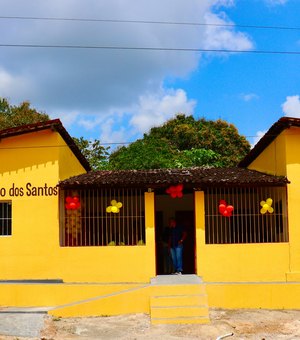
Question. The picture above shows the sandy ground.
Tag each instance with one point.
(244, 324)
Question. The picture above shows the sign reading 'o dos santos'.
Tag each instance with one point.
(29, 190)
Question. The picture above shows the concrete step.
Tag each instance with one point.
(179, 300)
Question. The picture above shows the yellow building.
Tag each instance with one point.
(93, 243)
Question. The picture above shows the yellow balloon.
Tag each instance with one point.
(108, 209)
(270, 210)
(266, 206)
(263, 211)
(114, 209)
(113, 202)
(269, 201)
(262, 203)
(119, 205)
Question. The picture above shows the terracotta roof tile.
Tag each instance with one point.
(191, 177)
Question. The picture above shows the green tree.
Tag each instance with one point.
(94, 152)
(184, 142)
(146, 153)
(23, 114)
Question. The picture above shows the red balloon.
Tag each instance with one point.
(229, 208)
(222, 208)
(225, 213)
(69, 199)
(179, 187)
(72, 205)
(75, 199)
(175, 190)
(223, 202)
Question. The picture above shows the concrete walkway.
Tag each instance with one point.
(23, 322)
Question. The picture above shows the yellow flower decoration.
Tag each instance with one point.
(266, 206)
(114, 207)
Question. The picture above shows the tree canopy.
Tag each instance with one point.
(179, 143)
(23, 114)
(183, 142)
(94, 152)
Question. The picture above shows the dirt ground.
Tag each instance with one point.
(244, 324)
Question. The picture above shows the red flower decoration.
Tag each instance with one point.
(224, 209)
(72, 203)
(175, 191)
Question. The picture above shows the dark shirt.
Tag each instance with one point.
(176, 235)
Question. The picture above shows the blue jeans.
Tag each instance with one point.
(176, 254)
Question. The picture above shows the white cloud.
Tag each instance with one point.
(115, 92)
(259, 135)
(225, 3)
(291, 106)
(13, 86)
(67, 119)
(125, 124)
(95, 80)
(247, 97)
(153, 110)
(218, 37)
(276, 2)
(108, 133)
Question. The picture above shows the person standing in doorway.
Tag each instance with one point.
(176, 239)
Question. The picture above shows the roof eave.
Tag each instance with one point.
(274, 131)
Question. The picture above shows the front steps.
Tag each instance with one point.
(178, 300)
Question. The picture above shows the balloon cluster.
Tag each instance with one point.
(72, 203)
(114, 207)
(224, 209)
(266, 206)
(175, 191)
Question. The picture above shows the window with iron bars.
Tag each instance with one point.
(5, 218)
(247, 223)
(102, 217)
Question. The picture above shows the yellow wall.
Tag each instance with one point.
(238, 262)
(282, 157)
(273, 159)
(41, 159)
(33, 251)
(293, 175)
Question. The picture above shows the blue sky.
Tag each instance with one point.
(117, 95)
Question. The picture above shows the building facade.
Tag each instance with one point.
(90, 243)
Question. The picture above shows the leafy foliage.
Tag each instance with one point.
(147, 153)
(94, 152)
(184, 142)
(12, 116)
(180, 142)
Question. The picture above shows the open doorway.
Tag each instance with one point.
(183, 210)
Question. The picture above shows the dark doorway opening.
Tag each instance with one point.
(186, 219)
(183, 210)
